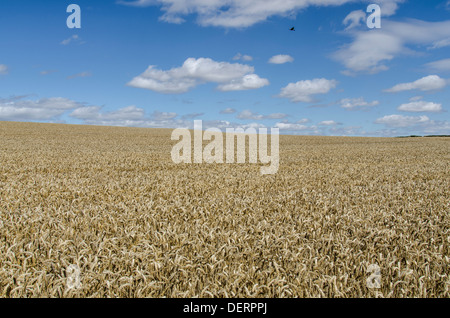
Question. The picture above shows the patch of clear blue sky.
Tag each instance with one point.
(117, 43)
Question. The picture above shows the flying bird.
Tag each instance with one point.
(292, 29)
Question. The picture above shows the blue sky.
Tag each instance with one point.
(231, 63)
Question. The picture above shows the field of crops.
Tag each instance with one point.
(110, 201)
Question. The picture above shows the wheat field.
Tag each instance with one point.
(110, 201)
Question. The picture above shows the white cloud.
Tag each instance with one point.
(42, 109)
(427, 83)
(164, 115)
(242, 13)
(93, 114)
(301, 127)
(82, 74)
(440, 44)
(73, 38)
(276, 116)
(191, 115)
(402, 121)
(3, 69)
(437, 127)
(281, 59)
(302, 91)
(168, 82)
(356, 103)
(399, 124)
(291, 126)
(87, 112)
(250, 81)
(328, 123)
(346, 131)
(197, 71)
(439, 66)
(247, 114)
(421, 106)
(368, 50)
(388, 7)
(133, 116)
(354, 19)
(130, 116)
(371, 49)
(223, 124)
(46, 72)
(415, 98)
(228, 111)
(246, 58)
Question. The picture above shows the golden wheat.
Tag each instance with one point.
(110, 201)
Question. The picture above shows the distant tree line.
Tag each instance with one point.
(410, 136)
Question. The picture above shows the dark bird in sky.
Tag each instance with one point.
(292, 29)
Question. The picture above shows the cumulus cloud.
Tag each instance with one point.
(281, 59)
(357, 103)
(133, 116)
(223, 124)
(193, 72)
(388, 7)
(18, 108)
(241, 13)
(421, 106)
(42, 109)
(88, 112)
(94, 114)
(323, 128)
(3, 69)
(298, 127)
(402, 121)
(399, 124)
(370, 50)
(367, 51)
(302, 91)
(427, 83)
(246, 114)
(438, 127)
(250, 81)
(292, 126)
